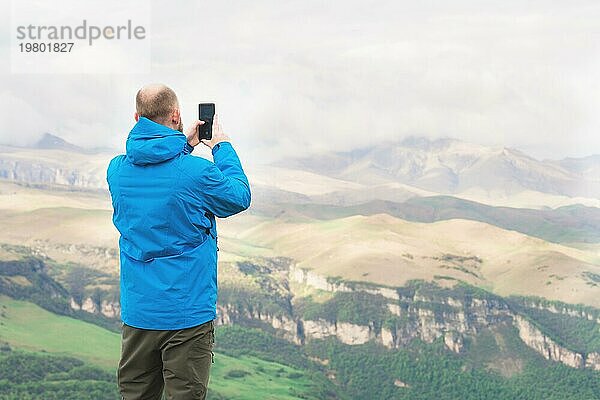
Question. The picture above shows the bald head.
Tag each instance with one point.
(158, 103)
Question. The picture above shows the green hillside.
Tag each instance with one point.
(496, 366)
(67, 358)
(24, 325)
(32, 376)
(254, 364)
(28, 326)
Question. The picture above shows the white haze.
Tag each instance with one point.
(291, 78)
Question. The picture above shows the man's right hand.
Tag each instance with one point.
(217, 134)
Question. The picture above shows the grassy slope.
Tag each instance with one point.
(378, 248)
(565, 224)
(387, 250)
(27, 326)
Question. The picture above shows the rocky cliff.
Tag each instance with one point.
(412, 312)
(110, 309)
(547, 347)
(585, 312)
(352, 312)
(68, 166)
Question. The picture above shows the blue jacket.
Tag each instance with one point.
(165, 202)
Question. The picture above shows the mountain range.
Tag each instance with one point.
(395, 171)
(455, 167)
(390, 229)
(478, 265)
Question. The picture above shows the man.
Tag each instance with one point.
(165, 202)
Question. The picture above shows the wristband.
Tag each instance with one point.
(188, 148)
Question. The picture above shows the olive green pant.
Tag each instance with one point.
(177, 362)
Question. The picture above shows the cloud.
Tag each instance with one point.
(20, 121)
(297, 77)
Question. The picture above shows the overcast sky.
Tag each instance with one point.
(294, 77)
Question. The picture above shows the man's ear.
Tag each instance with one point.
(175, 117)
(136, 116)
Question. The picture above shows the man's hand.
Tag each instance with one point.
(192, 133)
(217, 134)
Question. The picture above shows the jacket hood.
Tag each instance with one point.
(152, 143)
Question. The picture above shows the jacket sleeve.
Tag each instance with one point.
(225, 187)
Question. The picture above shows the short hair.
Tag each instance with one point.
(156, 102)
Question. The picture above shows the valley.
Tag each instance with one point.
(272, 311)
(443, 266)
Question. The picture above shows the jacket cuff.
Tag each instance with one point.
(187, 149)
(217, 146)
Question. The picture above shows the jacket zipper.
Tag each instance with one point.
(209, 230)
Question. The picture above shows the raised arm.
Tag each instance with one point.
(225, 187)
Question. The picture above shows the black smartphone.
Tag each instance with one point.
(206, 112)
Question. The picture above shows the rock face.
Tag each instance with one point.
(346, 332)
(54, 161)
(592, 361)
(420, 315)
(426, 317)
(548, 348)
(450, 324)
(46, 173)
(565, 310)
(424, 323)
(110, 309)
(329, 284)
(228, 314)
